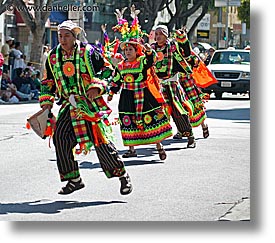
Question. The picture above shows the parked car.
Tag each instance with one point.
(231, 68)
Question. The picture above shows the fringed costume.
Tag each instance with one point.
(141, 114)
(196, 96)
(170, 62)
(80, 121)
(142, 118)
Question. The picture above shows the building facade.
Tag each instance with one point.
(12, 24)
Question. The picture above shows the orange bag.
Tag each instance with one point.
(202, 76)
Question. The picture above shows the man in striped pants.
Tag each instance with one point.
(71, 72)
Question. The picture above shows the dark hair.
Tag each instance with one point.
(19, 71)
(134, 46)
(5, 97)
(12, 43)
(17, 44)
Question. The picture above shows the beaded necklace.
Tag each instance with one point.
(74, 81)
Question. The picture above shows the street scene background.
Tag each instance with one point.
(261, 229)
(208, 183)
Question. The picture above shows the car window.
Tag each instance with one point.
(233, 57)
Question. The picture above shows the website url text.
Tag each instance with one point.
(55, 8)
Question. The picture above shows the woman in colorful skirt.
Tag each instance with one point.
(142, 118)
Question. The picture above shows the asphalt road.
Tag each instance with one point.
(208, 183)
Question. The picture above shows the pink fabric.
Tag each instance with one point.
(1, 60)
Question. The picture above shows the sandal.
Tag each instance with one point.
(205, 132)
(130, 154)
(126, 186)
(177, 136)
(71, 187)
(191, 142)
(162, 154)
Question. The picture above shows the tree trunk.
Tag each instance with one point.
(37, 47)
(36, 24)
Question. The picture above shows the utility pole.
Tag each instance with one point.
(219, 29)
(226, 24)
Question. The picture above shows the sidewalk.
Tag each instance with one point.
(240, 211)
(20, 102)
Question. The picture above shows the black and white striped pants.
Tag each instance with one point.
(64, 140)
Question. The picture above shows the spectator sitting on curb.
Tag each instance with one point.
(25, 84)
(8, 97)
(21, 82)
(21, 96)
(36, 80)
(30, 76)
(5, 81)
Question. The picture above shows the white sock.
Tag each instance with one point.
(125, 174)
(76, 179)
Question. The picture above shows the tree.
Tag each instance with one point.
(148, 11)
(244, 12)
(35, 22)
(150, 8)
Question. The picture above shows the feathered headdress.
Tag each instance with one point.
(110, 49)
(132, 34)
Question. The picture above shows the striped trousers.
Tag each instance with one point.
(64, 140)
(182, 121)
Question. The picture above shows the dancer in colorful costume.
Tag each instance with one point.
(71, 70)
(171, 62)
(191, 90)
(198, 99)
(142, 118)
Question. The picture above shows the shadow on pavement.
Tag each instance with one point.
(40, 206)
(142, 153)
(142, 162)
(130, 162)
(231, 114)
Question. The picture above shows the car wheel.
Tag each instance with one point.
(218, 95)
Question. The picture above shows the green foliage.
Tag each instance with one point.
(244, 12)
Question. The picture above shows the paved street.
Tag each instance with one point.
(208, 183)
